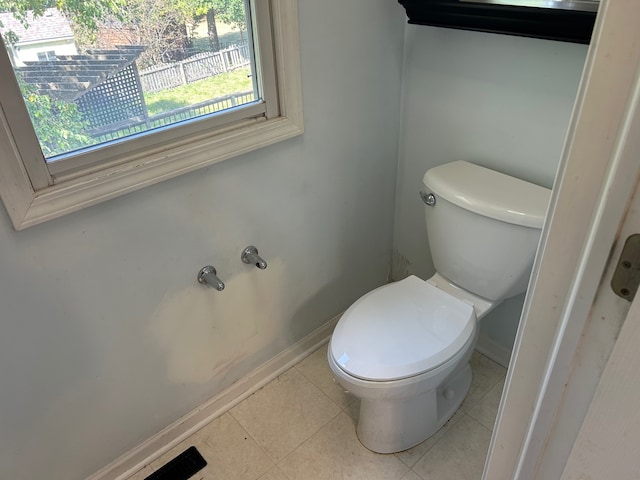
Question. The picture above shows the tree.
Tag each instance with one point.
(231, 12)
(59, 125)
(159, 25)
(212, 30)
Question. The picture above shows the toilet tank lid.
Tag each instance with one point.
(489, 193)
(401, 330)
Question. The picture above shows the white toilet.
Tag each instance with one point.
(404, 348)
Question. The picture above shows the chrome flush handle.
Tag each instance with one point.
(428, 198)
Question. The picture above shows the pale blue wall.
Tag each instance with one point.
(501, 101)
(105, 336)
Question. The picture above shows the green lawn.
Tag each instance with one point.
(200, 91)
(234, 37)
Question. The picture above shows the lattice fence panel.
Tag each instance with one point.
(117, 100)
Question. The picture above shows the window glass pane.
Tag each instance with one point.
(106, 73)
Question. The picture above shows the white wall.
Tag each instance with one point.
(501, 101)
(29, 52)
(105, 335)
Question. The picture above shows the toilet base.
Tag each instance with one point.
(387, 426)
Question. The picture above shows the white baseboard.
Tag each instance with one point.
(493, 350)
(172, 435)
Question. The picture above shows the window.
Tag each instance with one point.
(119, 136)
(47, 55)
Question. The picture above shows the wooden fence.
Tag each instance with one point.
(192, 69)
(138, 125)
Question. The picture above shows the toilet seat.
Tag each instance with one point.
(401, 330)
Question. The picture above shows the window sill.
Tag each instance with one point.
(73, 195)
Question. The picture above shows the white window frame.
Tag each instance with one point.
(34, 191)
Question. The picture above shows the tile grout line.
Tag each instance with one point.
(319, 388)
(278, 463)
(463, 414)
(480, 402)
(254, 440)
(414, 472)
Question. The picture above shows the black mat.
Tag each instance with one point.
(184, 466)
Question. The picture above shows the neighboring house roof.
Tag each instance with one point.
(51, 25)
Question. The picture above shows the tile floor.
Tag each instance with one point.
(301, 426)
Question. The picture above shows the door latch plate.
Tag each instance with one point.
(626, 277)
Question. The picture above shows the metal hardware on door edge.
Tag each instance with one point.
(428, 198)
(208, 276)
(250, 255)
(626, 277)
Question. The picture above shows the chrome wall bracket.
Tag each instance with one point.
(250, 256)
(208, 276)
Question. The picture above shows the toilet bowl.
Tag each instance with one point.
(404, 348)
(411, 372)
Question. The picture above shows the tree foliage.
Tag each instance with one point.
(58, 124)
(84, 13)
(232, 13)
(159, 25)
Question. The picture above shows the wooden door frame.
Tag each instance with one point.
(595, 180)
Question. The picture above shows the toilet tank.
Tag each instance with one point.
(484, 227)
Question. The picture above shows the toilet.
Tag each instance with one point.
(404, 348)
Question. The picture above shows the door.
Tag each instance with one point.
(607, 445)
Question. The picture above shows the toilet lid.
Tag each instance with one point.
(401, 330)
